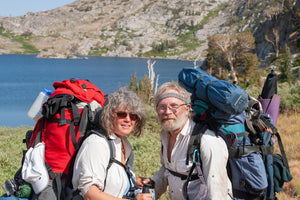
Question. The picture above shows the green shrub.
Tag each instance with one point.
(296, 62)
(289, 96)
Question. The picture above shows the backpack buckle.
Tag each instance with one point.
(196, 156)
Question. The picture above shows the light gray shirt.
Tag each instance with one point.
(91, 163)
(214, 155)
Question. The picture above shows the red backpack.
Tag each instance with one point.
(68, 114)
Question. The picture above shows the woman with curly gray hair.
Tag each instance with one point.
(123, 100)
(123, 113)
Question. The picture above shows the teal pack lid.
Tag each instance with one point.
(47, 92)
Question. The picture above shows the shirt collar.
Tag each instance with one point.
(188, 127)
(113, 136)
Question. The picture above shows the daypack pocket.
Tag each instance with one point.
(248, 174)
(196, 190)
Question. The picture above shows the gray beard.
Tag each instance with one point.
(175, 125)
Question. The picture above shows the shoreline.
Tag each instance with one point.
(86, 57)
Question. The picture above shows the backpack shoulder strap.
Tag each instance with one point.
(193, 153)
(195, 140)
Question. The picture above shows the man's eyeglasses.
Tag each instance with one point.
(173, 107)
(123, 115)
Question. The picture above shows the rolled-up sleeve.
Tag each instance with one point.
(90, 164)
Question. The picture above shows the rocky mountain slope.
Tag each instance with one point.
(128, 28)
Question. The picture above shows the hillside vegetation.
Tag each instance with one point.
(174, 29)
(147, 149)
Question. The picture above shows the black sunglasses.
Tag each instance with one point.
(122, 115)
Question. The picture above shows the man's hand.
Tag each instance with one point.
(141, 180)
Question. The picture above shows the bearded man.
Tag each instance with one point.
(172, 104)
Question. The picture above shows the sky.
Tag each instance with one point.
(13, 8)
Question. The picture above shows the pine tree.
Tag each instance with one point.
(247, 64)
(133, 83)
(285, 65)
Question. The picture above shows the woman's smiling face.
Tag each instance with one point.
(123, 122)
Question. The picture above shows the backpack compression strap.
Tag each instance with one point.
(284, 158)
(39, 134)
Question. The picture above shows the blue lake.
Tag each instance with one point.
(22, 77)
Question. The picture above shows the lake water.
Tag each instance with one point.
(22, 77)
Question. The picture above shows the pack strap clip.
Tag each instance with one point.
(196, 156)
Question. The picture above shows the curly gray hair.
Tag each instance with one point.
(127, 100)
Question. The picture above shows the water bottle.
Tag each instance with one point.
(35, 111)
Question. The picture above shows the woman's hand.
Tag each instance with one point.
(144, 196)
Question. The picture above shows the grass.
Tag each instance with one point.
(11, 148)
(288, 126)
(147, 149)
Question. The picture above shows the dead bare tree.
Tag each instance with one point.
(274, 40)
(225, 44)
(151, 74)
(227, 48)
